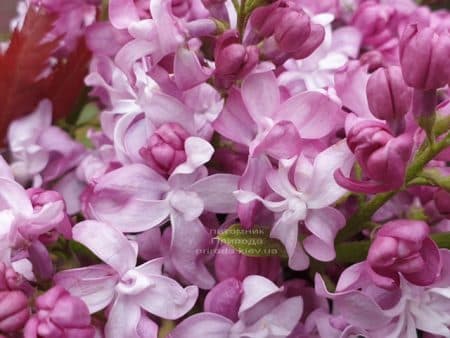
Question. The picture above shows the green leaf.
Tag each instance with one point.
(254, 242)
(88, 115)
(442, 239)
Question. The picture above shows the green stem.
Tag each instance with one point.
(359, 219)
(241, 18)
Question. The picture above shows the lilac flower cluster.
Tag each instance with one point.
(240, 169)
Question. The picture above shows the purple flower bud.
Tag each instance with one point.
(292, 30)
(9, 278)
(225, 298)
(181, 7)
(264, 19)
(403, 246)
(231, 264)
(442, 202)
(424, 57)
(39, 198)
(208, 3)
(233, 60)
(423, 107)
(58, 314)
(165, 148)
(382, 157)
(388, 96)
(374, 59)
(372, 20)
(14, 311)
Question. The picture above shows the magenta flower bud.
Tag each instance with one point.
(14, 311)
(373, 59)
(181, 7)
(225, 298)
(292, 30)
(403, 247)
(442, 202)
(231, 264)
(165, 148)
(39, 198)
(372, 20)
(233, 60)
(208, 3)
(58, 314)
(424, 57)
(388, 96)
(9, 278)
(423, 108)
(382, 157)
(264, 19)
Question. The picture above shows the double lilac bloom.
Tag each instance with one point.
(127, 288)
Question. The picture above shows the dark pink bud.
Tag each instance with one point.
(388, 96)
(374, 59)
(14, 311)
(9, 278)
(314, 40)
(181, 7)
(403, 247)
(231, 264)
(165, 148)
(382, 157)
(264, 19)
(58, 314)
(208, 3)
(225, 298)
(233, 60)
(424, 104)
(372, 20)
(292, 30)
(39, 198)
(424, 57)
(442, 202)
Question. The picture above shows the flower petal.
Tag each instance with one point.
(166, 298)
(123, 318)
(93, 284)
(205, 324)
(324, 224)
(107, 243)
(130, 198)
(216, 191)
(261, 95)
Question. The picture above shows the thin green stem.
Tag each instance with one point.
(241, 18)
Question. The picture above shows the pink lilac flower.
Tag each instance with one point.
(149, 200)
(306, 199)
(258, 118)
(264, 311)
(118, 282)
(41, 152)
(381, 313)
(23, 224)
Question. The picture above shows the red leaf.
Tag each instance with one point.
(67, 81)
(21, 66)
